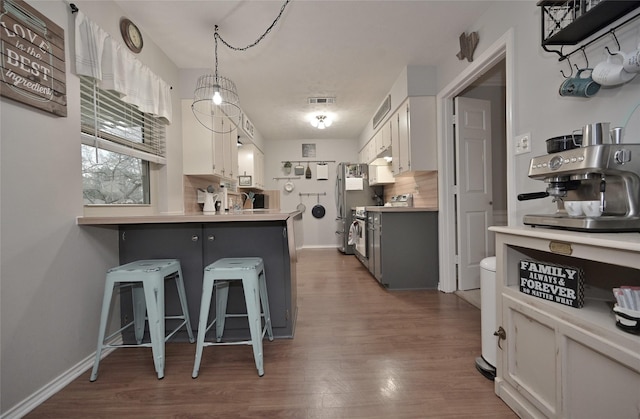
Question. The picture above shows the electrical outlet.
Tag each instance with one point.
(523, 143)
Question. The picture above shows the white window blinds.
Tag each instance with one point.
(111, 124)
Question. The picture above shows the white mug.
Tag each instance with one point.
(630, 61)
(591, 208)
(611, 73)
(574, 208)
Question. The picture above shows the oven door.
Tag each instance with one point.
(361, 241)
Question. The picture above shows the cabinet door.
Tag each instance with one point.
(404, 142)
(530, 356)
(227, 170)
(267, 240)
(198, 144)
(599, 380)
(377, 246)
(387, 133)
(395, 145)
(167, 241)
(218, 154)
(233, 145)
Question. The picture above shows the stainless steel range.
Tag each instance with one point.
(606, 173)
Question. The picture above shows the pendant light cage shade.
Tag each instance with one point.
(210, 113)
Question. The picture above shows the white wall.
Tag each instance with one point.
(318, 232)
(51, 270)
(537, 107)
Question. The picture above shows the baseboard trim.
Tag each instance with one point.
(57, 384)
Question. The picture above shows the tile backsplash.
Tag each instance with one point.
(423, 185)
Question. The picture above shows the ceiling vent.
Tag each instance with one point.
(322, 100)
(382, 111)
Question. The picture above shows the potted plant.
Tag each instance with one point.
(287, 167)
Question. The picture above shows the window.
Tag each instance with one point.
(119, 143)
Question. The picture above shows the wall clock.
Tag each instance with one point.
(131, 35)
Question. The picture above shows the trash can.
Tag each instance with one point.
(486, 363)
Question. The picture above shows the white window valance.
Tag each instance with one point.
(107, 60)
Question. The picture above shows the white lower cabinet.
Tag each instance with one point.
(556, 361)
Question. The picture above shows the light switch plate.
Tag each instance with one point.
(523, 143)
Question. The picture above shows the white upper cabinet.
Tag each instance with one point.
(251, 163)
(414, 146)
(205, 152)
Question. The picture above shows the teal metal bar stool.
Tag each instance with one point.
(146, 279)
(250, 271)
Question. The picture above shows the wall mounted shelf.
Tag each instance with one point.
(570, 22)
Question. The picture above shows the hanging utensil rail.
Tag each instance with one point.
(286, 177)
(312, 193)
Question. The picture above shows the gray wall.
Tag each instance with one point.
(51, 270)
(318, 232)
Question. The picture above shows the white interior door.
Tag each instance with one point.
(474, 198)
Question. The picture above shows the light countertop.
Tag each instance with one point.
(623, 241)
(246, 215)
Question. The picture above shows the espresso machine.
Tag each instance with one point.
(606, 172)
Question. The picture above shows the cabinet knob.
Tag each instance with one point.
(501, 334)
(194, 238)
(211, 238)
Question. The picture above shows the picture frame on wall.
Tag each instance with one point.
(308, 150)
(244, 180)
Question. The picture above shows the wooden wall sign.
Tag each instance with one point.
(557, 283)
(32, 58)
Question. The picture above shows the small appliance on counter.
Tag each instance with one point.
(404, 200)
(598, 182)
(260, 201)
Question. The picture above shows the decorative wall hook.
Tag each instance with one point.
(468, 44)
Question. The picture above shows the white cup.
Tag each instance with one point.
(630, 61)
(574, 208)
(591, 208)
(611, 73)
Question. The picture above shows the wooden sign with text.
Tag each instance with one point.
(557, 283)
(32, 58)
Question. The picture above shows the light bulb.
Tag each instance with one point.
(217, 99)
(327, 121)
(314, 122)
(321, 125)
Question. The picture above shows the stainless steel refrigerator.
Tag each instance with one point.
(352, 190)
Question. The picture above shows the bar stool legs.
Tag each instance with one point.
(218, 275)
(146, 280)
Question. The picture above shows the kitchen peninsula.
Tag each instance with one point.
(198, 240)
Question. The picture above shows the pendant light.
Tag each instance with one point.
(215, 98)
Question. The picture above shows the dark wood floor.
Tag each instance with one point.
(359, 352)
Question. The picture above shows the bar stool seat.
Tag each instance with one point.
(249, 270)
(146, 280)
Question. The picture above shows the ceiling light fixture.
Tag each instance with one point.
(321, 121)
(215, 98)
